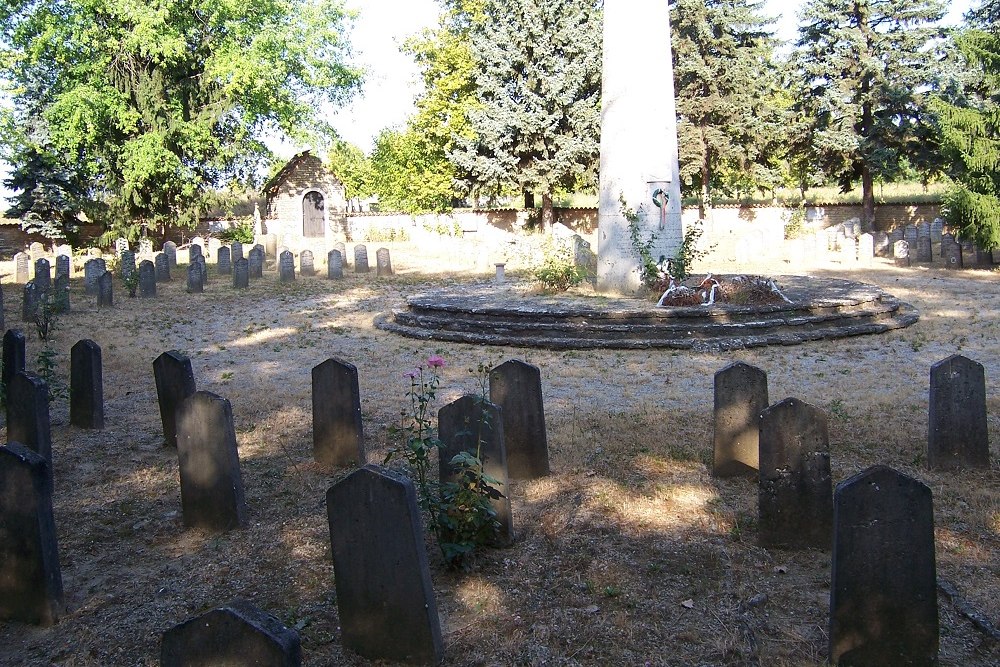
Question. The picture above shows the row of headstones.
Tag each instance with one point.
(883, 602)
(954, 254)
(42, 289)
(335, 263)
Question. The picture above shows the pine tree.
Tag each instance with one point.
(866, 67)
(49, 194)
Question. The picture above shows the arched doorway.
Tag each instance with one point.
(313, 217)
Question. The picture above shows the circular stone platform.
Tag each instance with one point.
(510, 314)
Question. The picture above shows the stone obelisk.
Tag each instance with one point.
(638, 141)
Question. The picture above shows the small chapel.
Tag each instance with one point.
(305, 204)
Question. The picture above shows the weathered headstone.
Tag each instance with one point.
(883, 593)
(145, 247)
(945, 238)
(465, 425)
(43, 275)
(30, 579)
(236, 251)
(866, 248)
(910, 234)
(195, 285)
(881, 244)
(212, 246)
(848, 251)
(360, 259)
(951, 252)
(209, 463)
(86, 385)
(200, 242)
(957, 435)
(203, 267)
(937, 229)
(338, 437)
(342, 249)
(255, 263)
(194, 251)
(984, 258)
(236, 634)
(13, 355)
(383, 265)
(901, 253)
(60, 294)
(170, 250)
(334, 265)
(740, 397)
(895, 234)
(795, 489)
(62, 265)
(270, 245)
(924, 249)
(307, 265)
(31, 301)
(92, 270)
(385, 600)
(147, 279)
(174, 384)
(224, 263)
(127, 264)
(162, 265)
(241, 274)
(286, 267)
(28, 413)
(105, 290)
(516, 388)
(121, 245)
(63, 249)
(924, 229)
(22, 267)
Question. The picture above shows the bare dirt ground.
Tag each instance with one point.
(629, 554)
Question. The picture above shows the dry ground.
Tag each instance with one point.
(629, 554)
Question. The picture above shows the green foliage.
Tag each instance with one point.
(386, 234)
(46, 361)
(408, 174)
(352, 167)
(649, 269)
(558, 271)
(49, 192)
(242, 231)
(687, 253)
(795, 220)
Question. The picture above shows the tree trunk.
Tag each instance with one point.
(867, 199)
(548, 215)
(705, 202)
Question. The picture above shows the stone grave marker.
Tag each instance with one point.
(338, 438)
(516, 388)
(223, 263)
(203, 267)
(866, 248)
(270, 245)
(855, 224)
(30, 578)
(342, 249)
(145, 247)
(63, 249)
(901, 253)
(127, 259)
(924, 229)
(105, 290)
(910, 234)
(28, 413)
(60, 294)
(951, 252)
(462, 424)
(937, 229)
(286, 267)
(280, 249)
(255, 263)
(740, 397)
(839, 240)
(241, 274)
(194, 281)
(43, 275)
(334, 265)
(147, 279)
(924, 249)
(170, 250)
(795, 488)
(86, 385)
(957, 435)
(92, 270)
(237, 634)
(22, 267)
(984, 258)
(194, 251)
(31, 301)
(263, 252)
(236, 251)
(212, 246)
(360, 259)
(945, 238)
(209, 463)
(200, 242)
(2, 323)
(881, 243)
(174, 384)
(13, 355)
(62, 265)
(307, 265)
(121, 245)
(883, 593)
(385, 599)
(383, 264)
(849, 251)
(162, 265)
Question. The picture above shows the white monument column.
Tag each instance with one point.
(638, 140)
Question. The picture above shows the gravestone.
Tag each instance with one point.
(203, 268)
(848, 251)
(924, 249)
(883, 593)
(881, 244)
(121, 245)
(209, 463)
(30, 579)
(145, 247)
(147, 279)
(28, 413)
(31, 301)
(924, 229)
(957, 435)
(195, 285)
(516, 388)
(360, 259)
(174, 384)
(334, 265)
(36, 250)
(236, 634)
(462, 425)
(263, 252)
(307, 266)
(895, 234)
(22, 268)
(62, 265)
(241, 274)
(839, 240)
(223, 263)
(200, 242)
(92, 270)
(342, 249)
(43, 275)
(383, 265)
(194, 251)
(740, 397)
(162, 265)
(945, 238)
(795, 490)
(286, 267)
(910, 234)
(270, 245)
(13, 355)
(236, 251)
(60, 294)
(984, 258)
(2, 323)
(212, 246)
(127, 260)
(937, 229)
(255, 263)
(170, 250)
(901, 253)
(385, 600)
(338, 437)
(105, 291)
(951, 252)
(63, 249)
(86, 385)
(866, 248)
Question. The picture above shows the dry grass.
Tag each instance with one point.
(630, 553)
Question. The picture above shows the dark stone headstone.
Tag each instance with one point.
(883, 593)
(946, 238)
(194, 250)
(13, 355)
(516, 388)
(31, 301)
(170, 250)
(951, 252)
(342, 249)
(60, 294)
(105, 290)
(924, 229)
(385, 599)
(901, 253)
(984, 258)
(924, 249)
(241, 274)
(147, 279)
(255, 263)
(162, 265)
(307, 264)
(224, 263)
(937, 229)
(895, 234)
(236, 634)
(203, 267)
(209, 463)
(383, 265)
(957, 434)
(910, 235)
(2, 323)
(740, 397)
(360, 259)
(30, 579)
(127, 261)
(62, 266)
(286, 267)
(92, 270)
(795, 490)
(174, 384)
(22, 267)
(43, 275)
(28, 413)
(86, 385)
(334, 265)
(236, 249)
(338, 438)
(194, 281)
(469, 423)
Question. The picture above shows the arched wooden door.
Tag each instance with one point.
(312, 214)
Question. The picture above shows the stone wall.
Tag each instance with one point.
(283, 210)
